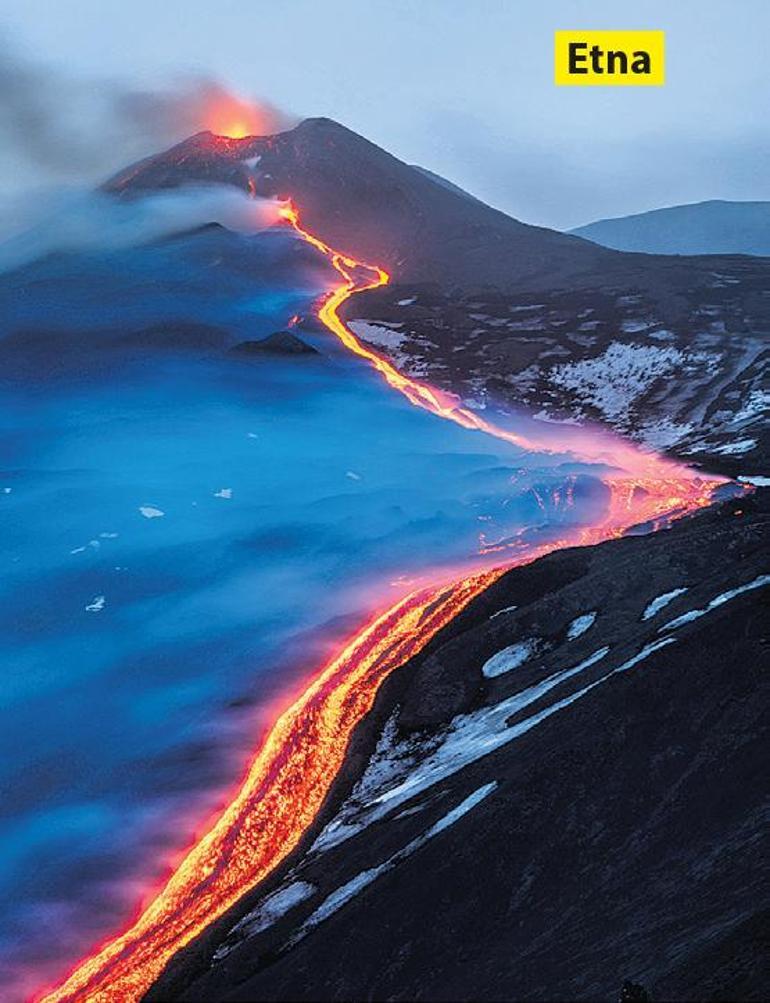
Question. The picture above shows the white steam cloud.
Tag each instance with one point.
(93, 220)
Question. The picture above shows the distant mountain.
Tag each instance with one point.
(715, 227)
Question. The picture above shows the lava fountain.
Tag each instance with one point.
(292, 773)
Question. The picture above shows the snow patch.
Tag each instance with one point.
(268, 912)
(663, 432)
(150, 512)
(224, 493)
(377, 334)
(92, 545)
(351, 888)
(635, 325)
(755, 404)
(720, 600)
(737, 448)
(612, 381)
(96, 605)
(580, 625)
(509, 658)
(657, 604)
(756, 480)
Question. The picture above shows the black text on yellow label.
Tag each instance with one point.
(609, 58)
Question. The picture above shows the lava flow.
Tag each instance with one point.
(645, 487)
(291, 774)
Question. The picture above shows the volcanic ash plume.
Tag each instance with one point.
(56, 128)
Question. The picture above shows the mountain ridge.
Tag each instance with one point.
(369, 204)
(712, 226)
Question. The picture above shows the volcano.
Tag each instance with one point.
(488, 306)
(374, 207)
(422, 229)
(558, 752)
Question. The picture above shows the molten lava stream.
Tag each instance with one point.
(284, 789)
(292, 773)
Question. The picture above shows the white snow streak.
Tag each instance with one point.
(268, 912)
(351, 888)
(737, 448)
(580, 625)
(720, 600)
(507, 609)
(657, 604)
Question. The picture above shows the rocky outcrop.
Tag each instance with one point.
(278, 343)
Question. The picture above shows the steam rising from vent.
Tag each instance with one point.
(60, 128)
(93, 221)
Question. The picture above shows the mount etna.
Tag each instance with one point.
(555, 789)
(671, 351)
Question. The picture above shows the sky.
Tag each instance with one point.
(462, 87)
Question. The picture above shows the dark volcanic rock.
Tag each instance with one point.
(365, 202)
(619, 840)
(697, 385)
(278, 343)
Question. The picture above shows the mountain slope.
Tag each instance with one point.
(715, 227)
(366, 202)
(593, 814)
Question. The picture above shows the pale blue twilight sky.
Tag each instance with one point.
(463, 87)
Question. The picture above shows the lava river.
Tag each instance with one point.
(291, 774)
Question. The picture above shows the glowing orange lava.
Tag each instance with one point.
(646, 488)
(292, 773)
(227, 115)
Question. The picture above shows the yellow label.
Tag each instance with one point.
(609, 58)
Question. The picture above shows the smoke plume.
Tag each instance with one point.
(56, 128)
